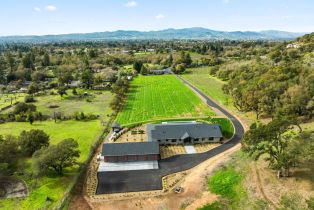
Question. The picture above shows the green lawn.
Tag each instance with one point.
(85, 133)
(211, 86)
(157, 97)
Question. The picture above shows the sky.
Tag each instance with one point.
(39, 17)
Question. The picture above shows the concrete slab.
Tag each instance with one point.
(127, 166)
(190, 149)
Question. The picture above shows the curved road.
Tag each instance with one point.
(142, 180)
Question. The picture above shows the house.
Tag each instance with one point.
(296, 46)
(131, 151)
(161, 71)
(183, 133)
(75, 84)
(150, 50)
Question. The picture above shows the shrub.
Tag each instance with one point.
(214, 70)
(29, 99)
(23, 108)
(310, 203)
(225, 183)
(292, 201)
(19, 118)
(217, 205)
(33, 140)
(74, 92)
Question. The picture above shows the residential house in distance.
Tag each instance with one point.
(296, 46)
(161, 71)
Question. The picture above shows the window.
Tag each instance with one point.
(173, 140)
(211, 138)
(195, 139)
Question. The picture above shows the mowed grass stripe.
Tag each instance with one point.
(157, 97)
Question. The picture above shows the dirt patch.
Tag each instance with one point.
(137, 134)
(11, 187)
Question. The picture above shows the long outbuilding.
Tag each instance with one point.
(135, 151)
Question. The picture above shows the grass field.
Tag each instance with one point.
(211, 86)
(97, 103)
(8, 99)
(157, 97)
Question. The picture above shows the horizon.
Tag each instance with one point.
(25, 35)
(67, 17)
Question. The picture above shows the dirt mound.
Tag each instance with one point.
(11, 187)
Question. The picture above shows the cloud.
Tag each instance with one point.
(37, 9)
(159, 16)
(286, 17)
(50, 8)
(131, 4)
(226, 1)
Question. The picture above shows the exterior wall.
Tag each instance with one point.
(193, 141)
(129, 158)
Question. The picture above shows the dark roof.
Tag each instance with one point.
(167, 70)
(182, 131)
(135, 148)
(116, 125)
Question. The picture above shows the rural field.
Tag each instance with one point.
(6, 99)
(156, 97)
(86, 133)
(211, 86)
(96, 102)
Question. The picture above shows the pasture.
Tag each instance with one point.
(158, 97)
(96, 102)
(211, 86)
(10, 98)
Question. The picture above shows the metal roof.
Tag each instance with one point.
(182, 130)
(134, 148)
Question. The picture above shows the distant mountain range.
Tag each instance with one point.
(167, 34)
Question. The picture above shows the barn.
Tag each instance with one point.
(135, 151)
(129, 156)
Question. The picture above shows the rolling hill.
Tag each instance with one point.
(196, 33)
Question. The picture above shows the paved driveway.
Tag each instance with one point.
(143, 180)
